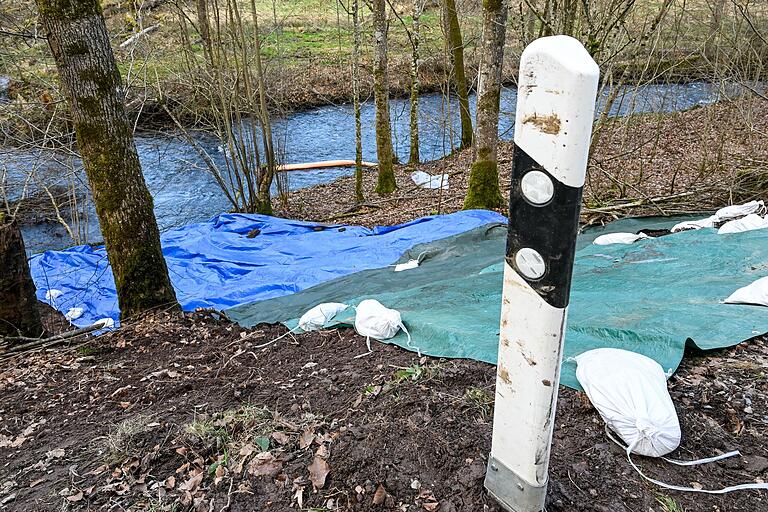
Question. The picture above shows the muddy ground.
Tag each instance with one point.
(189, 412)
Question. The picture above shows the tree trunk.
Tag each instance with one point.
(386, 182)
(204, 27)
(715, 27)
(418, 7)
(359, 197)
(457, 49)
(91, 82)
(18, 305)
(267, 175)
(483, 191)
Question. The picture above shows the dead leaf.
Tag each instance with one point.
(318, 471)
(299, 496)
(182, 450)
(75, 497)
(696, 485)
(170, 482)
(323, 451)
(281, 437)
(380, 495)
(264, 464)
(219, 475)
(247, 450)
(307, 437)
(431, 507)
(192, 483)
(99, 470)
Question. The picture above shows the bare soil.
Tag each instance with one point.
(189, 412)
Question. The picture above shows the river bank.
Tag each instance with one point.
(51, 190)
(649, 164)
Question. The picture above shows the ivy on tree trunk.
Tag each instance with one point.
(484, 191)
(92, 84)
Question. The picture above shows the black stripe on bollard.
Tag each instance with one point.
(549, 228)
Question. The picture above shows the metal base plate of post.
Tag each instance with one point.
(512, 492)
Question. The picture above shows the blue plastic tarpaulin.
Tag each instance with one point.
(234, 259)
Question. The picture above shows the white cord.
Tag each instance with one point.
(724, 490)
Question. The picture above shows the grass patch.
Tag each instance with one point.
(123, 440)
(219, 430)
(479, 399)
(668, 504)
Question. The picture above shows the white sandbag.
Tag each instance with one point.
(426, 180)
(738, 210)
(749, 223)
(408, 265)
(629, 391)
(73, 314)
(755, 293)
(709, 222)
(619, 238)
(105, 323)
(723, 214)
(374, 320)
(318, 316)
(53, 294)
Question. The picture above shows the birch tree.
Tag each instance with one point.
(415, 35)
(483, 191)
(359, 197)
(384, 151)
(91, 82)
(456, 47)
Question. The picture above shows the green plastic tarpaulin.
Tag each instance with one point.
(651, 297)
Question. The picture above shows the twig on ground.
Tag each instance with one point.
(38, 343)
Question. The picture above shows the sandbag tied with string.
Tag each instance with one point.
(629, 391)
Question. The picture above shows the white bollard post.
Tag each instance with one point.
(555, 110)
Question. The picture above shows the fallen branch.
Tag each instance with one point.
(138, 35)
(322, 165)
(637, 203)
(36, 343)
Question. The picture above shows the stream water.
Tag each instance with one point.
(184, 191)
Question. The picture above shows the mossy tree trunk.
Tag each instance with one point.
(456, 44)
(418, 8)
(91, 82)
(359, 196)
(18, 305)
(483, 191)
(384, 152)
